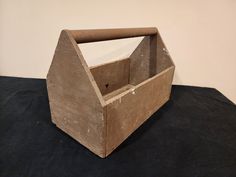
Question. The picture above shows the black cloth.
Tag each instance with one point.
(193, 134)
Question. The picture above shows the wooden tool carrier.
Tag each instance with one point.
(101, 106)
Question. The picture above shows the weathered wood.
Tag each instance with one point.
(117, 92)
(102, 105)
(111, 76)
(74, 104)
(163, 59)
(140, 62)
(153, 55)
(127, 112)
(93, 35)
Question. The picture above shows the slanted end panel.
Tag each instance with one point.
(163, 59)
(140, 62)
(148, 59)
(75, 106)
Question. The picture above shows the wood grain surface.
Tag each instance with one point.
(101, 106)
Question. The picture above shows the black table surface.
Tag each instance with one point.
(193, 134)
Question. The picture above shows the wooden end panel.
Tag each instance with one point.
(74, 104)
(163, 59)
(140, 62)
(127, 113)
(111, 76)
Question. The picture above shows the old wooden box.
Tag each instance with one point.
(101, 106)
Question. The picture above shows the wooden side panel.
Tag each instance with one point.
(75, 106)
(128, 112)
(111, 76)
(140, 62)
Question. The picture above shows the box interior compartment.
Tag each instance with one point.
(118, 76)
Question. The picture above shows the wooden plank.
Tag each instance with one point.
(153, 56)
(117, 92)
(125, 113)
(163, 59)
(140, 62)
(111, 76)
(75, 104)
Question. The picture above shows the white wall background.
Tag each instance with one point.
(200, 35)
